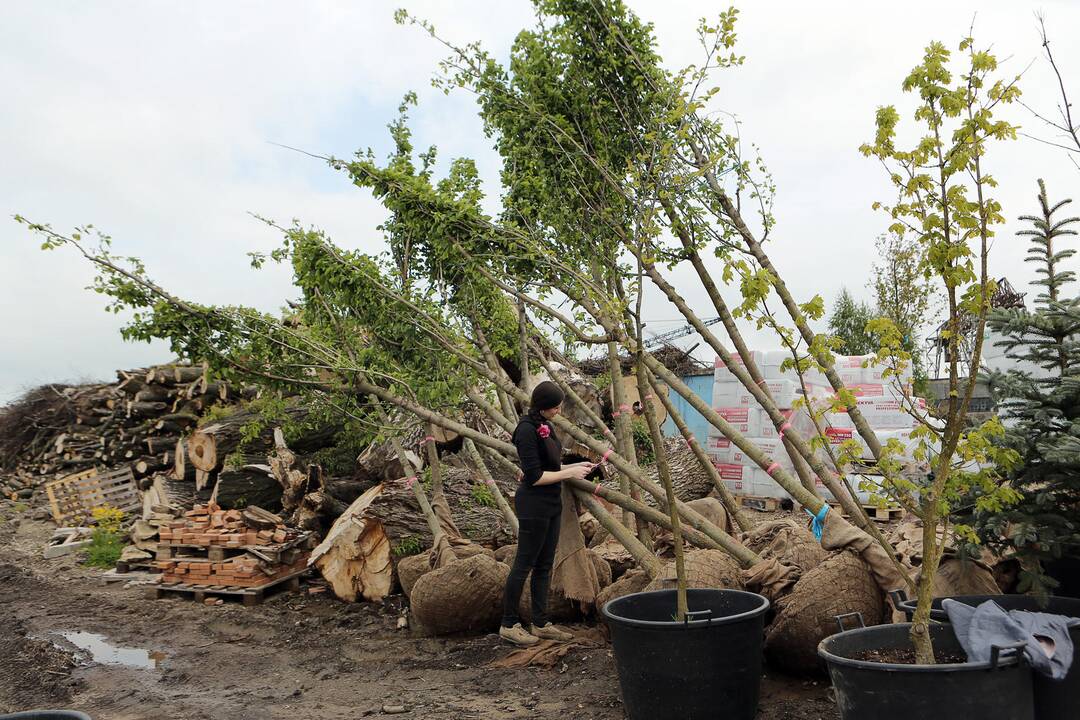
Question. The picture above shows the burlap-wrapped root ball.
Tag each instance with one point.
(505, 554)
(796, 547)
(807, 615)
(704, 569)
(463, 596)
(412, 568)
(632, 581)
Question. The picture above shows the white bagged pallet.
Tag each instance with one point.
(746, 420)
(732, 393)
(884, 412)
(747, 480)
(724, 452)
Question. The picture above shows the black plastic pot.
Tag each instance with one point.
(706, 667)
(1054, 699)
(996, 690)
(1054, 605)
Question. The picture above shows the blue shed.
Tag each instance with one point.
(702, 385)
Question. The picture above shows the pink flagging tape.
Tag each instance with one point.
(649, 396)
(624, 408)
(607, 454)
(615, 413)
(409, 481)
(773, 467)
(784, 428)
(429, 438)
(489, 482)
(596, 490)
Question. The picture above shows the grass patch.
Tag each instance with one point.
(408, 546)
(482, 495)
(107, 542)
(104, 549)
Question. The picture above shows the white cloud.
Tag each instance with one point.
(153, 121)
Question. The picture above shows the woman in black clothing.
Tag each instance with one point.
(538, 504)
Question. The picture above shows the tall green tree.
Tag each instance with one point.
(1041, 410)
(944, 201)
(903, 292)
(847, 326)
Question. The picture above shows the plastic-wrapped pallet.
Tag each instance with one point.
(732, 393)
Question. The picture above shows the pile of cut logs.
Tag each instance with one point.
(136, 421)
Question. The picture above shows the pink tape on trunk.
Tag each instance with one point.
(489, 482)
(771, 468)
(786, 426)
(649, 396)
(624, 407)
(409, 481)
(428, 439)
(607, 453)
(615, 413)
(596, 490)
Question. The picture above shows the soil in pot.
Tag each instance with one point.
(999, 690)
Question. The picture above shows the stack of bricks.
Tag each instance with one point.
(208, 530)
(209, 525)
(235, 572)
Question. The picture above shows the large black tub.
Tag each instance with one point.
(708, 666)
(1054, 699)
(995, 690)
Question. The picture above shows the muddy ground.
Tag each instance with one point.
(297, 656)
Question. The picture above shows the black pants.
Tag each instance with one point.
(537, 539)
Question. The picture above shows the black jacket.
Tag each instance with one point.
(537, 455)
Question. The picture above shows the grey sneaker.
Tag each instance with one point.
(518, 636)
(551, 632)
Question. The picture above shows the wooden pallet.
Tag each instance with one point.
(880, 514)
(210, 553)
(884, 514)
(757, 502)
(72, 499)
(248, 595)
(220, 553)
(123, 566)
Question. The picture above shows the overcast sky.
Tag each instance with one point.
(154, 121)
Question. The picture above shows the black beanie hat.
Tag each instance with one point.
(546, 395)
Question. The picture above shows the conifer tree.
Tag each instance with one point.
(1039, 401)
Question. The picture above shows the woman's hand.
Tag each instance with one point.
(577, 471)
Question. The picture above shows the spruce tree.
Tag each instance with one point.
(1039, 403)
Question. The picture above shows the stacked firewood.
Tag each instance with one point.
(135, 421)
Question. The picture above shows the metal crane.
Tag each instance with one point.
(677, 333)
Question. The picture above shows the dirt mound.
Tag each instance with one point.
(841, 584)
(36, 672)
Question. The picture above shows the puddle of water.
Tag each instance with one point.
(104, 652)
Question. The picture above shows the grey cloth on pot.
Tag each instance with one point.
(1048, 647)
